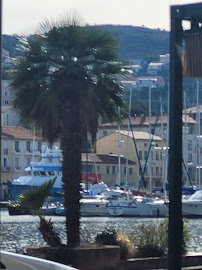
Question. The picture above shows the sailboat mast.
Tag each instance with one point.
(198, 171)
(119, 155)
(150, 175)
(127, 145)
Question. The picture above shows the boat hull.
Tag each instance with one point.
(94, 207)
(191, 208)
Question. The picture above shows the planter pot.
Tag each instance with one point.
(86, 258)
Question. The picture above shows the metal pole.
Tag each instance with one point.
(150, 174)
(127, 145)
(175, 153)
(0, 83)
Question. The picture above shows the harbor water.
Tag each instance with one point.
(19, 232)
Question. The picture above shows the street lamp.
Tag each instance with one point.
(0, 78)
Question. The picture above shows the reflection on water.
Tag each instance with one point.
(18, 232)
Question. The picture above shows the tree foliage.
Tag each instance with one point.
(32, 201)
(65, 81)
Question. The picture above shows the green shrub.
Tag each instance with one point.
(107, 237)
(151, 240)
(149, 250)
(112, 237)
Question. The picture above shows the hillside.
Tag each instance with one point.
(135, 42)
(139, 42)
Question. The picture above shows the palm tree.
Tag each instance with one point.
(65, 81)
(31, 201)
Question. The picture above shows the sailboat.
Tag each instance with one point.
(138, 206)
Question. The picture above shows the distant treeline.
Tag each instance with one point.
(135, 42)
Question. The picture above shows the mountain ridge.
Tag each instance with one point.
(135, 41)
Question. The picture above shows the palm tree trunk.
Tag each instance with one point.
(71, 145)
(48, 232)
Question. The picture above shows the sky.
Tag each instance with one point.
(24, 16)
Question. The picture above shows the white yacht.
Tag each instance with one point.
(192, 206)
(138, 206)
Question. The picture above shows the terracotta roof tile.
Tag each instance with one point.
(107, 159)
(6, 108)
(144, 121)
(139, 135)
(19, 133)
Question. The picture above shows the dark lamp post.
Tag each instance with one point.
(192, 13)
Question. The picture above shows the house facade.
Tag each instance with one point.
(104, 168)
(19, 147)
(150, 159)
(191, 142)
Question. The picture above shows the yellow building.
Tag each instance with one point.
(153, 176)
(18, 145)
(105, 168)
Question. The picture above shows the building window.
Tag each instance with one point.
(157, 171)
(157, 155)
(17, 163)
(17, 149)
(98, 168)
(189, 145)
(152, 155)
(189, 157)
(113, 169)
(140, 155)
(28, 162)
(6, 102)
(107, 170)
(28, 146)
(145, 145)
(5, 162)
(130, 171)
(5, 147)
(6, 84)
(6, 94)
(145, 155)
(158, 184)
(39, 146)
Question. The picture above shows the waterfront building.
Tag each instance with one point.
(104, 167)
(159, 127)
(154, 168)
(19, 147)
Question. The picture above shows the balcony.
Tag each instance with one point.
(28, 152)
(5, 151)
(5, 168)
(17, 151)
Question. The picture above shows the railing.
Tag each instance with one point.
(5, 168)
(5, 151)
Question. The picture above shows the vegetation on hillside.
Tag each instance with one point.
(135, 42)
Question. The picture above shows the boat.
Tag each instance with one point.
(153, 207)
(138, 206)
(94, 206)
(192, 206)
(37, 173)
(13, 261)
(125, 205)
(99, 204)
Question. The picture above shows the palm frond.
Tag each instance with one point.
(33, 199)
